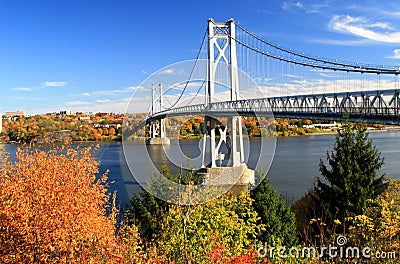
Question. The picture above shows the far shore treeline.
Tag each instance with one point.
(108, 127)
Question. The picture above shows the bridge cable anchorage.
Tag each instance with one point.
(190, 76)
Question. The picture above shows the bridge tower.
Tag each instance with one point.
(222, 49)
(157, 134)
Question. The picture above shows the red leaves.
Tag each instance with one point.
(221, 255)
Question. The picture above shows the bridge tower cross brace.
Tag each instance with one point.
(222, 47)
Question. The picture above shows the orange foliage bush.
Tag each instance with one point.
(52, 207)
(219, 255)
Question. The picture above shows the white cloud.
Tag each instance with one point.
(129, 89)
(79, 106)
(29, 98)
(115, 107)
(381, 25)
(309, 9)
(364, 28)
(134, 88)
(292, 76)
(298, 4)
(25, 89)
(104, 101)
(77, 103)
(396, 54)
(343, 42)
(326, 75)
(54, 84)
(167, 71)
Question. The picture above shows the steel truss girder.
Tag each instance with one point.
(378, 106)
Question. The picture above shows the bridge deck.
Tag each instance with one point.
(376, 106)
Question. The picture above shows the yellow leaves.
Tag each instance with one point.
(363, 221)
(189, 233)
(314, 220)
(380, 226)
(50, 202)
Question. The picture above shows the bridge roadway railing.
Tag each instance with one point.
(376, 106)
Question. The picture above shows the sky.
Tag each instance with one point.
(91, 55)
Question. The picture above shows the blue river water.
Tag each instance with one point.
(293, 171)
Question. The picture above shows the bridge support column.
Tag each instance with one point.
(157, 135)
(225, 165)
(234, 126)
(229, 167)
(236, 137)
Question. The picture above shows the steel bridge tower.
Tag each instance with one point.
(157, 134)
(222, 49)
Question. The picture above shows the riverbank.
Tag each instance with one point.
(335, 132)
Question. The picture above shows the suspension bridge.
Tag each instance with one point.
(297, 85)
(245, 75)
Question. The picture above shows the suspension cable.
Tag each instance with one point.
(357, 67)
(322, 63)
(190, 75)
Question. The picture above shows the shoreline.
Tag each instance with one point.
(198, 137)
(334, 133)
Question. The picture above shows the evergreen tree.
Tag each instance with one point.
(275, 214)
(146, 210)
(350, 178)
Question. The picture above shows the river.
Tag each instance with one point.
(293, 171)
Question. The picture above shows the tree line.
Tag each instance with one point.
(46, 128)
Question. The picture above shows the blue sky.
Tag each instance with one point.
(90, 55)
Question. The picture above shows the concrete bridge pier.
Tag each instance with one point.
(223, 169)
(157, 135)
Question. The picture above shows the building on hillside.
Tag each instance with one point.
(116, 126)
(84, 118)
(66, 112)
(15, 113)
(103, 115)
(333, 125)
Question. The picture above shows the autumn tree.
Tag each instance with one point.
(53, 207)
(350, 179)
(190, 234)
(111, 132)
(197, 233)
